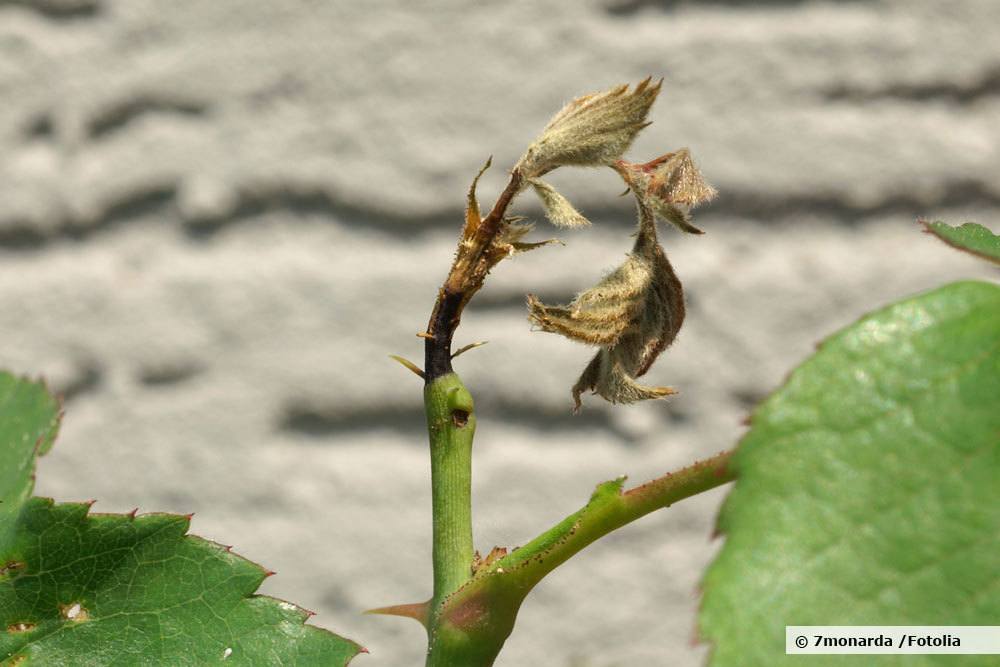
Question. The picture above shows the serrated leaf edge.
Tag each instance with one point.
(301, 612)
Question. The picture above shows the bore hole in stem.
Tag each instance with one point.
(459, 418)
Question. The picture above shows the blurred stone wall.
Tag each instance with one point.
(218, 218)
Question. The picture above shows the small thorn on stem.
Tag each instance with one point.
(425, 334)
(418, 611)
(410, 365)
(466, 348)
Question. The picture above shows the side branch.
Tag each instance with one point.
(609, 509)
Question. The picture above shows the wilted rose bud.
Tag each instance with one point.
(670, 186)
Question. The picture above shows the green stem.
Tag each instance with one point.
(609, 509)
(451, 425)
(471, 625)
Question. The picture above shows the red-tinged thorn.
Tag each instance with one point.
(269, 573)
(90, 503)
(131, 515)
(189, 516)
(362, 649)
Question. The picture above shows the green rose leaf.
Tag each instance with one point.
(970, 237)
(101, 589)
(867, 488)
(29, 420)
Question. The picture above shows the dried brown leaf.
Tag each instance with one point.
(600, 315)
(634, 313)
(473, 216)
(609, 378)
(669, 186)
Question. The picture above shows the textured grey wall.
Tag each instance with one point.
(198, 201)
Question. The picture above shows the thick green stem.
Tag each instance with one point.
(451, 425)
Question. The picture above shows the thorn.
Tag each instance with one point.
(410, 365)
(627, 190)
(425, 334)
(416, 610)
(466, 348)
(131, 515)
(269, 573)
(524, 247)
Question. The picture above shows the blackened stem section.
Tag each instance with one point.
(467, 274)
(437, 347)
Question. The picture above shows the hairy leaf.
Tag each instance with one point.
(970, 237)
(593, 130)
(867, 489)
(557, 208)
(634, 313)
(670, 186)
(119, 589)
